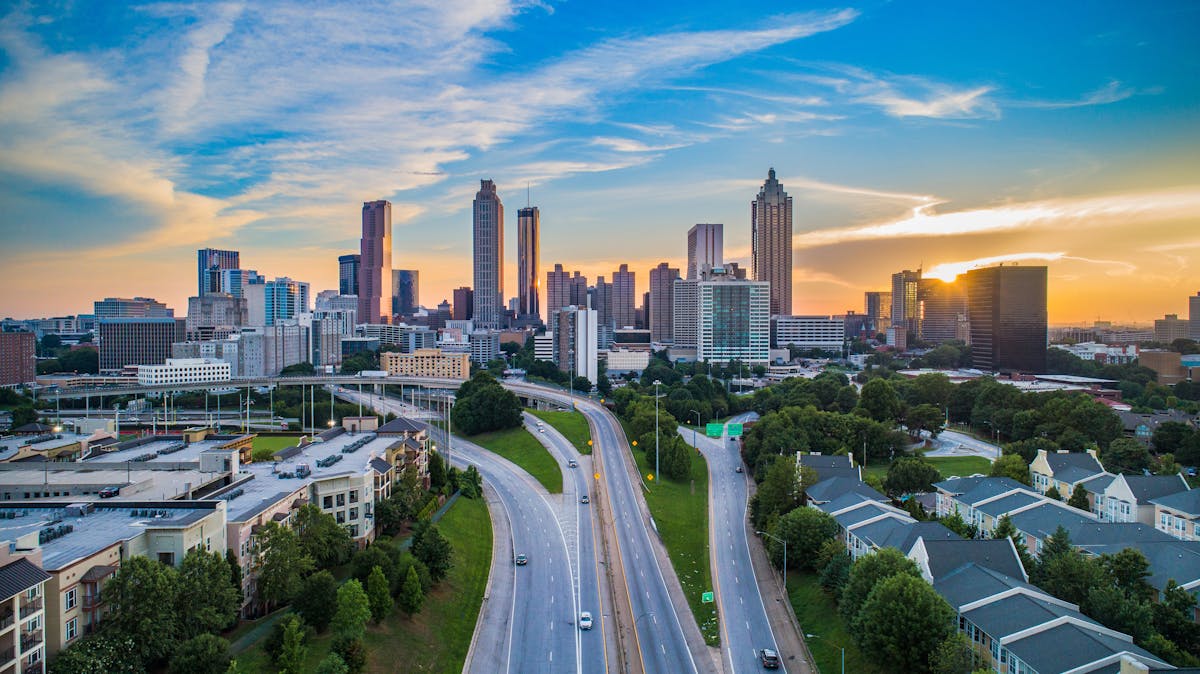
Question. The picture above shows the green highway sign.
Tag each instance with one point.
(735, 430)
(706, 598)
(714, 430)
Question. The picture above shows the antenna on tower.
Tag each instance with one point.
(528, 203)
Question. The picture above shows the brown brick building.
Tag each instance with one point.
(17, 351)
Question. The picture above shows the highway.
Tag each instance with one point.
(745, 627)
(666, 635)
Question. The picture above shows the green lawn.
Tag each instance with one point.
(817, 613)
(437, 638)
(265, 446)
(573, 425)
(961, 466)
(518, 446)
(680, 510)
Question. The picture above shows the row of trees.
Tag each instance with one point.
(481, 404)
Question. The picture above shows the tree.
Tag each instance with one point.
(1079, 499)
(321, 537)
(805, 530)
(202, 654)
(907, 475)
(282, 564)
(49, 344)
(437, 471)
(206, 601)
(353, 611)
(317, 600)
(23, 414)
(836, 571)
(141, 598)
(353, 653)
(879, 401)
(1052, 493)
(780, 492)
(1173, 617)
(1125, 455)
(332, 664)
(902, 622)
(297, 369)
(83, 361)
(1129, 570)
(379, 595)
(953, 656)
(581, 384)
(1171, 436)
(235, 576)
(1069, 576)
(954, 522)
(676, 459)
(482, 404)
(1011, 466)
(868, 572)
(101, 653)
(412, 595)
(1118, 610)
(433, 550)
(292, 650)
(925, 417)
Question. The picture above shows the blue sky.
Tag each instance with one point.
(908, 133)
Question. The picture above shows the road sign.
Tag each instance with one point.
(650, 476)
(706, 598)
(735, 430)
(714, 430)
(597, 476)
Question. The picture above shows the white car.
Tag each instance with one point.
(585, 621)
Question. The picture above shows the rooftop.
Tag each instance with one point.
(1066, 647)
(996, 554)
(1183, 501)
(17, 577)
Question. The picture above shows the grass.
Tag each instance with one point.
(437, 638)
(573, 425)
(961, 466)
(518, 446)
(265, 446)
(817, 613)
(680, 510)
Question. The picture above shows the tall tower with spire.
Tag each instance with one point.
(771, 243)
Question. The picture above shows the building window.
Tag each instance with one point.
(69, 599)
(167, 558)
(327, 502)
(354, 497)
(34, 623)
(1165, 520)
(72, 628)
(34, 657)
(353, 514)
(341, 500)
(341, 517)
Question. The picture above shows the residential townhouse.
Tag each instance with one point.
(1063, 470)
(834, 487)
(22, 616)
(1128, 498)
(1178, 514)
(829, 465)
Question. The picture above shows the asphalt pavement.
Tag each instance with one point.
(953, 443)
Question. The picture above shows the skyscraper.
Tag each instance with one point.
(488, 234)
(137, 307)
(733, 320)
(574, 338)
(210, 262)
(528, 282)
(624, 308)
(1194, 316)
(558, 290)
(943, 307)
(662, 301)
(685, 310)
(705, 248)
(906, 307)
(771, 243)
(284, 298)
(578, 290)
(464, 304)
(602, 303)
(405, 291)
(1008, 318)
(348, 266)
(375, 265)
(878, 309)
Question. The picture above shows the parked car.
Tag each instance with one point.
(585, 621)
(522, 559)
(109, 492)
(769, 658)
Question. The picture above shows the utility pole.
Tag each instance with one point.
(656, 475)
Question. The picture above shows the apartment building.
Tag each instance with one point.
(427, 363)
(22, 616)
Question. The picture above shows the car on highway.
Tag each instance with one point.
(585, 621)
(522, 559)
(585, 500)
(769, 658)
(738, 469)
(572, 463)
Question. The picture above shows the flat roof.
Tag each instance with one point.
(16, 441)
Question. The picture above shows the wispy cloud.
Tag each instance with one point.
(1112, 92)
(903, 95)
(630, 145)
(948, 271)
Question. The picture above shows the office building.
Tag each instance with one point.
(575, 338)
(827, 333)
(18, 352)
(1194, 317)
(184, 371)
(348, 270)
(234, 281)
(427, 363)
(345, 319)
(137, 341)
(878, 308)
(543, 347)
(685, 310)
(1008, 318)
(643, 312)
(137, 307)
(906, 303)
(734, 321)
(943, 307)
(464, 304)
(601, 299)
(213, 313)
(255, 295)
(22, 603)
(529, 282)
(443, 313)
(705, 248)
(375, 263)
(227, 350)
(485, 346)
(564, 289)
(660, 302)
(406, 298)
(1170, 328)
(408, 337)
(488, 247)
(209, 263)
(284, 299)
(624, 306)
(771, 242)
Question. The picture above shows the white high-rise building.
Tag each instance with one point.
(734, 321)
(575, 335)
(705, 248)
(684, 314)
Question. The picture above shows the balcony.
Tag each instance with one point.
(6, 620)
(30, 607)
(91, 601)
(35, 668)
(29, 640)
(7, 655)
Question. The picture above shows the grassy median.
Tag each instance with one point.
(573, 426)
(817, 613)
(518, 446)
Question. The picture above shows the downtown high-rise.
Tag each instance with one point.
(705, 248)
(1008, 318)
(375, 263)
(624, 309)
(528, 281)
(406, 293)
(348, 266)
(488, 245)
(906, 301)
(209, 263)
(661, 302)
(771, 242)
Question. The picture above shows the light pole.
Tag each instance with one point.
(696, 433)
(843, 649)
(763, 533)
(656, 475)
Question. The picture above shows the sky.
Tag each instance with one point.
(909, 134)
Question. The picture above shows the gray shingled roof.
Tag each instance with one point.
(958, 485)
(997, 554)
(845, 501)
(825, 460)
(1098, 483)
(1066, 647)
(827, 490)
(1090, 534)
(1169, 559)
(1007, 504)
(849, 519)
(380, 466)
(1078, 464)
(904, 538)
(989, 487)
(1183, 501)
(1041, 521)
(973, 582)
(1018, 612)
(876, 533)
(398, 426)
(1146, 487)
(18, 576)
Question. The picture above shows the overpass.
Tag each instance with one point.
(252, 382)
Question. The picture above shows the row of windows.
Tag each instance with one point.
(340, 500)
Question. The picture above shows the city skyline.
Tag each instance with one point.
(957, 153)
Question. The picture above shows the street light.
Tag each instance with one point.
(656, 475)
(696, 432)
(763, 533)
(843, 649)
